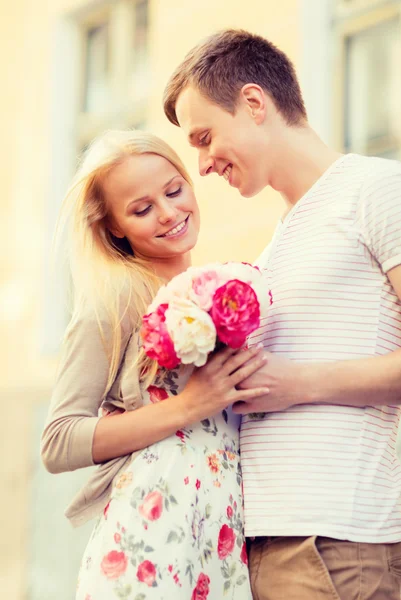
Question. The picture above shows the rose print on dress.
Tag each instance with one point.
(201, 590)
(157, 394)
(146, 573)
(225, 542)
(174, 525)
(152, 507)
(114, 564)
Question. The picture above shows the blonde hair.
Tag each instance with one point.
(107, 278)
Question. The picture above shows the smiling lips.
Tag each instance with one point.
(175, 229)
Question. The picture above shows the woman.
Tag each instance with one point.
(169, 484)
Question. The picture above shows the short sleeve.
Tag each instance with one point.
(379, 217)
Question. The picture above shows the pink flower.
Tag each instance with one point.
(197, 484)
(117, 538)
(106, 510)
(146, 573)
(114, 564)
(186, 480)
(226, 541)
(244, 555)
(235, 312)
(201, 590)
(152, 506)
(157, 343)
(229, 512)
(157, 394)
(180, 434)
(170, 568)
(203, 289)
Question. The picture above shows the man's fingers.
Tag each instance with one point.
(250, 404)
(249, 396)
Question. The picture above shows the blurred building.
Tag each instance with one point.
(72, 68)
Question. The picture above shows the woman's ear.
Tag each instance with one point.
(113, 228)
(254, 99)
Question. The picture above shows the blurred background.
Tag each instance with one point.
(69, 70)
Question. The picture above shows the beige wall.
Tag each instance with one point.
(232, 228)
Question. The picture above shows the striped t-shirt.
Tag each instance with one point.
(330, 470)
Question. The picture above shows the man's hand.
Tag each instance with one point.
(287, 383)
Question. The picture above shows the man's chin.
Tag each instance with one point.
(249, 192)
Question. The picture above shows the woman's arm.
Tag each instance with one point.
(77, 395)
(209, 390)
(74, 435)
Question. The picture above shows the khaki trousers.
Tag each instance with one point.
(318, 568)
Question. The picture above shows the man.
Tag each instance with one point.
(322, 481)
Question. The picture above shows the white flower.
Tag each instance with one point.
(192, 331)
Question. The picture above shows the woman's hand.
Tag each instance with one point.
(212, 388)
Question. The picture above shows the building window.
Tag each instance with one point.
(97, 79)
(370, 88)
(115, 68)
(140, 80)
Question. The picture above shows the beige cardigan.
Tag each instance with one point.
(74, 411)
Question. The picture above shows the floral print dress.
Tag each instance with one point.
(173, 528)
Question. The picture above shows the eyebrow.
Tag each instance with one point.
(143, 198)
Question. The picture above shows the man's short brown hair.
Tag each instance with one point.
(222, 64)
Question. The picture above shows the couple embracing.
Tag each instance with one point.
(311, 510)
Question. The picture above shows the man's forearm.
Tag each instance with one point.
(362, 382)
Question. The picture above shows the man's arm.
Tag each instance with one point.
(360, 382)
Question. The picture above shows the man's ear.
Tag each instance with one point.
(254, 99)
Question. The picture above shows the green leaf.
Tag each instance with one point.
(208, 510)
(241, 579)
(140, 597)
(172, 500)
(149, 549)
(239, 542)
(233, 568)
(227, 585)
(172, 537)
(224, 570)
(225, 465)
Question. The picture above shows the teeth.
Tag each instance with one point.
(175, 230)
(227, 171)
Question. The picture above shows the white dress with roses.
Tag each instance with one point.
(174, 525)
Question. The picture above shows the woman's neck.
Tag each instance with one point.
(168, 268)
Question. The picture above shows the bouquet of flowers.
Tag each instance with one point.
(201, 309)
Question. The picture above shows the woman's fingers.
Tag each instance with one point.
(240, 358)
(248, 369)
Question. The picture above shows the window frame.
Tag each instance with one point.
(350, 19)
(126, 110)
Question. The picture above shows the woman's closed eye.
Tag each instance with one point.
(143, 212)
(174, 193)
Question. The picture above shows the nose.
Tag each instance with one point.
(206, 164)
(168, 213)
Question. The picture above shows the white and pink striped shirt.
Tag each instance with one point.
(330, 470)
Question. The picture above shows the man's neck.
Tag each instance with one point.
(301, 159)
